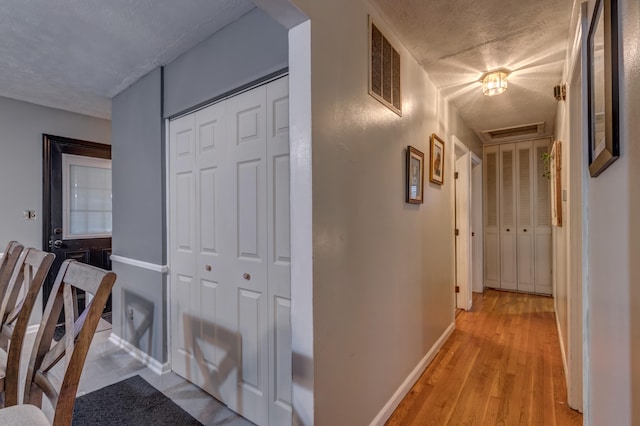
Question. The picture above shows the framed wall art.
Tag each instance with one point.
(555, 171)
(603, 87)
(436, 168)
(415, 176)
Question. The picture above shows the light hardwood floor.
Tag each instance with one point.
(501, 366)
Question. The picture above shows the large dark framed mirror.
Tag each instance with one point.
(602, 74)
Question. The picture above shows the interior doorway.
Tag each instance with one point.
(468, 220)
(76, 206)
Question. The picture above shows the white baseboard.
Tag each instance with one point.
(413, 377)
(562, 351)
(153, 364)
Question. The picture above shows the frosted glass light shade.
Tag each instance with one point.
(494, 83)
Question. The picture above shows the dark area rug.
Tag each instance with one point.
(130, 402)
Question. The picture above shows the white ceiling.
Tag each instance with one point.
(457, 41)
(77, 54)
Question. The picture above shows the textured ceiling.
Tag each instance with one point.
(456, 41)
(77, 54)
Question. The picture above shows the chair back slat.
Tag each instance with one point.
(20, 297)
(79, 330)
(8, 264)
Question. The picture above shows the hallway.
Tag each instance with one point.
(502, 365)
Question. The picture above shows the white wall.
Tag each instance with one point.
(614, 270)
(22, 127)
(382, 269)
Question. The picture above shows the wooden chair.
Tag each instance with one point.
(8, 264)
(15, 309)
(73, 347)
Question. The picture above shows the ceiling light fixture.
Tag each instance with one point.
(494, 82)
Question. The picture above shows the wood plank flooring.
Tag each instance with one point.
(501, 366)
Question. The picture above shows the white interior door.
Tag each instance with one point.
(463, 225)
(229, 239)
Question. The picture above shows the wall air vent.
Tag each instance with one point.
(511, 134)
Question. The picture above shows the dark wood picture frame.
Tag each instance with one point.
(603, 87)
(415, 176)
(436, 160)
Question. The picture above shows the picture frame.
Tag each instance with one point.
(415, 176)
(436, 160)
(603, 87)
(555, 169)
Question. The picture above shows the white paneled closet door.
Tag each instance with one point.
(524, 217)
(508, 246)
(491, 218)
(230, 291)
(279, 253)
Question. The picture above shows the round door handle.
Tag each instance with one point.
(508, 229)
(207, 267)
(246, 276)
(525, 230)
(57, 243)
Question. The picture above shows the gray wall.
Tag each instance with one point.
(247, 50)
(138, 171)
(22, 127)
(139, 214)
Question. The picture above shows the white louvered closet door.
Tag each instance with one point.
(517, 217)
(524, 217)
(508, 243)
(491, 215)
(542, 191)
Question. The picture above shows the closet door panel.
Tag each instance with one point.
(525, 234)
(491, 217)
(508, 243)
(542, 191)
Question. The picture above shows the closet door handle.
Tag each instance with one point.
(508, 229)
(525, 230)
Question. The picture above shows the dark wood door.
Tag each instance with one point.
(69, 166)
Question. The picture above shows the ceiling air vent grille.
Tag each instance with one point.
(510, 134)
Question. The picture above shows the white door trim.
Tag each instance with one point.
(463, 244)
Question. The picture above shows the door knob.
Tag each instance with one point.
(57, 244)
(246, 276)
(207, 267)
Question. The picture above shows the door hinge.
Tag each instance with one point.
(457, 289)
(455, 175)
(457, 232)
